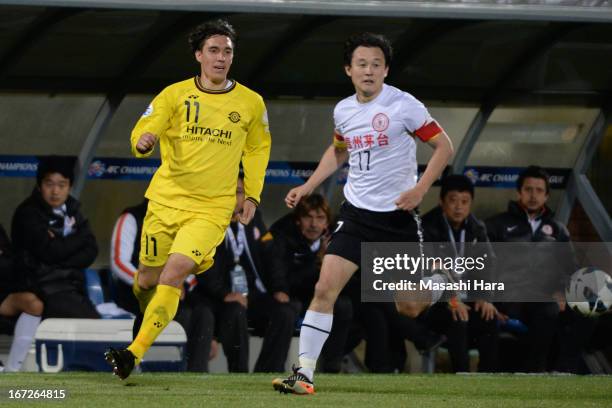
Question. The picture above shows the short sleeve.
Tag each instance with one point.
(417, 120)
(338, 138)
(155, 120)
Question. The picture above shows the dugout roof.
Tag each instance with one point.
(450, 50)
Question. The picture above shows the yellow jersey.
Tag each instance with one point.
(203, 136)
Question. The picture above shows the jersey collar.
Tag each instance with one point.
(196, 80)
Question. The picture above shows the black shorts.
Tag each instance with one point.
(9, 287)
(356, 225)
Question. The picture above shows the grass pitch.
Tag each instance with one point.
(174, 390)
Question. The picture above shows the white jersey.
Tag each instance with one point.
(379, 136)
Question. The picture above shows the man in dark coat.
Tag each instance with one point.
(55, 243)
(292, 254)
(537, 268)
(456, 232)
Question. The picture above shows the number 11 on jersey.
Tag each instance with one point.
(197, 110)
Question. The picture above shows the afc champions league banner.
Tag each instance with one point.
(278, 172)
(143, 169)
(109, 168)
(100, 168)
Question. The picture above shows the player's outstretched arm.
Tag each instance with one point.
(443, 150)
(332, 159)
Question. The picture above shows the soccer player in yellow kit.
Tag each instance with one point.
(205, 127)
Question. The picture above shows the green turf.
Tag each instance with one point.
(255, 390)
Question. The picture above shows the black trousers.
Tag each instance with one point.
(227, 322)
(380, 356)
(124, 296)
(69, 304)
(461, 336)
(198, 322)
(541, 320)
(333, 349)
(276, 322)
(385, 332)
(573, 339)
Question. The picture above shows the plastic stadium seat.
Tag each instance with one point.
(95, 292)
(94, 287)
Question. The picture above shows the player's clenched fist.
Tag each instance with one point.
(295, 195)
(248, 212)
(146, 142)
(409, 200)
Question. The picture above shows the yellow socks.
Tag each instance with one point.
(142, 295)
(159, 313)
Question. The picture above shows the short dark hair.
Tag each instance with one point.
(533, 172)
(63, 165)
(312, 202)
(209, 29)
(367, 40)
(456, 182)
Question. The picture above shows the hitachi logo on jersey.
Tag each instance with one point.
(205, 131)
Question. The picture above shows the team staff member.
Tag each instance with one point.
(205, 126)
(53, 242)
(529, 220)
(292, 252)
(456, 232)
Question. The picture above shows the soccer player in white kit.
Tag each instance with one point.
(376, 130)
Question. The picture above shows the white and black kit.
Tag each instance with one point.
(380, 138)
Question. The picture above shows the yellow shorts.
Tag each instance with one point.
(168, 230)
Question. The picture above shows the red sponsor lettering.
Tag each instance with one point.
(357, 142)
(382, 140)
(349, 142)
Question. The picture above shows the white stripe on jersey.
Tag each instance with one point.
(382, 151)
(122, 248)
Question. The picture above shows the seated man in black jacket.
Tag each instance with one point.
(528, 220)
(55, 243)
(293, 250)
(463, 323)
